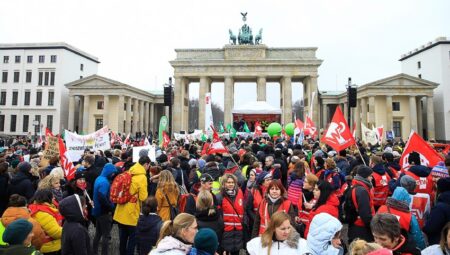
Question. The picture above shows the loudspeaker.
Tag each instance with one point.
(352, 93)
(167, 96)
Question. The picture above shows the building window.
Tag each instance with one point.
(53, 58)
(420, 76)
(50, 122)
(81, 67)
(52, 78)
(37, 118)
(5, 76)
(397, 127)
(28, 77)
(46, 78)
(81, 77)
(26, 120)
(2, 123)
(26, 100)
(51, 98)
(3, 98)
(41, 59)
(98, 124)
(15, 97)
(5, 59)
(125, 106)
(12, 127)
(38, 97)
(100, 105)
(29, 59)
(396, 106)
(17, 59)
(419, 65)
(41, 75)
(16, 76)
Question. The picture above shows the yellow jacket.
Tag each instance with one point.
(163, 205)
(51, 228)
(128, 213)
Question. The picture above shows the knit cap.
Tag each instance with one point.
(24, 167)
(206, 240)
(201, 164)
(192, 162)
(364, 171)
(17, 232)
(408, 183)
(440, 171)
(262, 176)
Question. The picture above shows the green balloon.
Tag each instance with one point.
(274, 129)
(289, 128)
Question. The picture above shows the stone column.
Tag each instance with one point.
(413, 112)
(286, 93)
(306, 95)
(86, 114)
(128, 120)
(430, 118)
(345, 111)
(152, 117)
(179, 118)
(389, 116)
(324, 115)
(372, 120)
(419, 116)
(315, 100)
(135, 116)
(261, 89)
(146, 127)
(120, 117)
(80, 114)
(141, 116)
(228, 100)
(106, 110)
(357, 118)
(71, 113)
(205, 84)
(364, 111)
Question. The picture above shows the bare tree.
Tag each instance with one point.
(217, 112)
(298, 110)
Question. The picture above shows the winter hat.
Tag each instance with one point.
(192, 162)
(201, 163)
(408, 183)
(382, 251)
(443, 185)
(143, 153)
(14, 163)
(364, 171)
(206, 240)
(295, 159)
(17, 231)
(24, 167)
(401, 194)
(80, 174)
(396, 154)
(388, 149)
(440, 170)
(262, 176)
(206, 178)
(414, 157)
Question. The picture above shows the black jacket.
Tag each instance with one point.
(147, 232)
(4, 196)
(21, 184)
(75, 237)
(439, 216)
(213, 221)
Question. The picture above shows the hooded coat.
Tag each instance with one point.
(22, 184)
(102, 185)
(322, 230)
(75, 237)
(294, 245)
(330, 207)
(147, 232)
(439, 216)
(50, 223)
(170, 245)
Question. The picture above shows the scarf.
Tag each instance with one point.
(273, 200)
(397, 204)
(231, 193)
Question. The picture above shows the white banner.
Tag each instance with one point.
(368, 135)
(151, 152)
(208, 112)
(76, 144)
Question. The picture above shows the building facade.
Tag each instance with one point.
(400, 103)
(431, 62)
(96, 101)
(32, 91)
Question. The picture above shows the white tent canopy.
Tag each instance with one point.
(257, 107)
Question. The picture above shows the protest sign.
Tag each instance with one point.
(151, 152)
(51, 150)
(76, 144)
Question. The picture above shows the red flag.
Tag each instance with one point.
(338, 134)
(428, 156)
(166, 139)
(258, 129)
(299, 124)
(127, 140)
(66, 164)
(216, 146)
(205, 148)
(380, 134)
(310, 128)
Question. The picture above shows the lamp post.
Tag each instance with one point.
(351, 100)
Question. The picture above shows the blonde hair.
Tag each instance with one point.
(311, 179)
(166, 182)
(275, 221)
(361, 247)
(225, 178)
(57, 172)
(173, 228)
(331, 164)
(47, 182)
(205, 202)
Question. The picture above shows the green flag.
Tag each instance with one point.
(162, 127)
(229, 127)
(204, 138)
(233, 132)
(221, 130)
(246, 129)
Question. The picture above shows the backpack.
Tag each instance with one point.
(348, 213)
(183, 201)
(120, 188)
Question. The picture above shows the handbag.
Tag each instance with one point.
(173, 210)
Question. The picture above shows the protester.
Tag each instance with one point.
(380, 182)
(53, 183)
(278, 238)
(18, 235)
(4, 186)
(440, 213)
(167, 194)
(205, 242)
(361, 247)
(443, 248)
(295, 182)
(325, 235)
(148, 227)
(207, 214)
(22, 182)
(177, 236)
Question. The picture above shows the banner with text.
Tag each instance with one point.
(76, 144)
(51, 150)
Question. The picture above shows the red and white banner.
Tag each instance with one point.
(428, 156)
(166, 139)
(258, 129)
(216, 146)
(66, 164)
(338, 134)
(310, 128)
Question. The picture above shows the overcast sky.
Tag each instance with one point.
(135, 40)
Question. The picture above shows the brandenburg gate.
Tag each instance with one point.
(247, 61)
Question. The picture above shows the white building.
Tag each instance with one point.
(432, 62)
(32, 82)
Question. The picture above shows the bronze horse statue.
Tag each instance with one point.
(232, 37)
(258, 37)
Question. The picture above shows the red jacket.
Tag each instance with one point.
(233, 212)
(330, 207)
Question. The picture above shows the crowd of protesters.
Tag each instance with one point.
(261, 196)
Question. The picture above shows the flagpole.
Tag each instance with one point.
(361, 155)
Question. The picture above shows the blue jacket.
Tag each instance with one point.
(439, 216)
(401, 194)
(102, 203)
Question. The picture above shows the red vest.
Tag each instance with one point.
(403, 217)
(359, 221)
(264, 214)
(233, 212)
(257, 198)
(423, 184)
(380, 189)
(303, 213)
